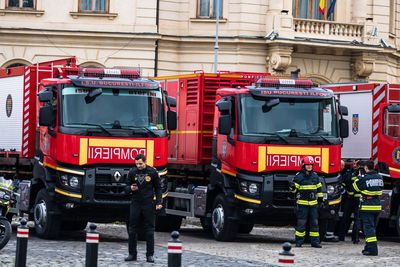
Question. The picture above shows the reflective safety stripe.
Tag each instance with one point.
(314, 234)
(357, 195)
(355, 185)
(300, 233)
(297, 185)
(371, 239)
(371, 193)
(368, 207)
(308, 187)
(293, 191)
(350, 193)
(320, 194)
(354, 178)
(305, 202)
(319, 185)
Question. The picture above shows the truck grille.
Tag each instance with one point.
(282, 196)
(106, 187)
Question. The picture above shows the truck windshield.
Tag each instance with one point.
(131, 108)
(291, 117)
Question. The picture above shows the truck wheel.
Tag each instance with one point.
(223, 229)
(46, 225)
(245, 228)
(206, 224)
(168, 223)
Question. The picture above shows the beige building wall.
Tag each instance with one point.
(169, 37)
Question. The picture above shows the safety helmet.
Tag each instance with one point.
(308, 160)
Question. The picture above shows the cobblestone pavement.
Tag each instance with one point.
(259, 248)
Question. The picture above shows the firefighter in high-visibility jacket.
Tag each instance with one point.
(308, 191)
(370, 186)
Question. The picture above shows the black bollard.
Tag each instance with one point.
(286, 258)
(174, 250)
(22, 244)
(92, 246)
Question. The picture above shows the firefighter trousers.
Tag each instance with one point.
(370, 221)
(350, 206)
(303, 213)
(141, 213)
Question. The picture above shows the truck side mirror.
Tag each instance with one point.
(45, 116)
(171, 120)
(171, 101)
(344, 128)
(343, 110)
(91, 96)
(45, 95)
(224, 106)
(224, 124)
(393, 108)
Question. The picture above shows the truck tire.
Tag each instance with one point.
(5, 232)
(245, 228)
(168, 223)
(223, 229)
(206, 224)
(47, 225)
(73, 225)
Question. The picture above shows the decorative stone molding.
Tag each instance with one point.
(363, 65)
(279, 57)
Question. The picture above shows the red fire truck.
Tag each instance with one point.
(70, 135)
(238, 144)
(375, 112)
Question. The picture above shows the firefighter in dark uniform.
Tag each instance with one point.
(307, 186)
(144, 183)
(351, 203)
(370, 186)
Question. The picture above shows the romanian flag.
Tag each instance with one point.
(322, 6)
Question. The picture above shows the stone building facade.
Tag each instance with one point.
(358, 41)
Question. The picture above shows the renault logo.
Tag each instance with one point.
(117, 176)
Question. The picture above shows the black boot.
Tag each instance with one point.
(150, 259)
(131, 258)
(317, 245)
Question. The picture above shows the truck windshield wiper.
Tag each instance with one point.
(92, 124)
(142, 128)
(275, 134)
(323, 138)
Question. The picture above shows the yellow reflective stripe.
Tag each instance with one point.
(355, 186)
(300, 233)
(320, 194)
(163, 196)
(353, 178)
(67, 194)
(372, 193)
(163, 173)
(371, 239)
(248, 199)
(314, 234)
(335, 201)
(367, 207)
(350, 193)
(293, 191)
(305, 202)
(297, 185)
(308, 187)
(357, 195)
(319, 185)
(6, 186)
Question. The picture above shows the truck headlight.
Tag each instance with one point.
(253, 188)
(330, 189)
(64, 179)
(243, 187)
(74, 181)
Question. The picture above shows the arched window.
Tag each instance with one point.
(91, 64)
(16, 63)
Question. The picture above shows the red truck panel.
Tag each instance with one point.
(196, 98)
